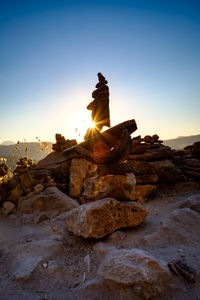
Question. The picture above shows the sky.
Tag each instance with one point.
(51, 52)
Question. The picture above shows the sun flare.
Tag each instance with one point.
(81, 129)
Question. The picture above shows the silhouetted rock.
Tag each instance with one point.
(62, 144)
(100, 105)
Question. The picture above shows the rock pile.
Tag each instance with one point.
(151, 162)
(109, 165)
(23, 165)
(99, 106)
(62, 144)
(3, 167)
(188, 161)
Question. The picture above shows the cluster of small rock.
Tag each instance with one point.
(62, 144)
(23, 165)
(3, 167)
(152, 163)
(188, 161)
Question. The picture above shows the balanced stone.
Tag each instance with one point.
(100, 105)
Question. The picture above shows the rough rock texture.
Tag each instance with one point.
(99, 218)
(78, 171)
(140, 167)
(135, 268)
(142, 190)
(192, 202)
(15, 194)
(51, 199)
(8, 208)
(179, 226)
(120, 187)
(147, 179)
(166, 171)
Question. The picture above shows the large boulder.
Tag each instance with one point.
(51, 199)
(137, 269)
(120, 187)
(166, 170)
(99, 218)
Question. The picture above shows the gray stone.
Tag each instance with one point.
(51, 199)
(192, 202)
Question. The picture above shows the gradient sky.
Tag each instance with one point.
(51, 52)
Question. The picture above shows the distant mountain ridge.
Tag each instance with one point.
(7, 143)
(34, 148)
(34, 151)
(182, 141)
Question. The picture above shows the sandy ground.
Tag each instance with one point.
(45, 261)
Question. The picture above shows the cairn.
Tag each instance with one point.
(99, 106)
(62, 144)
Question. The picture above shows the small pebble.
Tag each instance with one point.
(45, 265)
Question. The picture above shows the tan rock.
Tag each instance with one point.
(99, 218)
(147, 178)
(143, 190)
(136, 268)
(8, 208)
(120, 187)
(78, 172)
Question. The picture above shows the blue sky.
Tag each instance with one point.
(51, 51)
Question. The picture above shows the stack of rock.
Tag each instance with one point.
(3, 167)
(99, 106)
(188, 161)
(62, 144)
(152, 163)
(193, 150)
(23, 165)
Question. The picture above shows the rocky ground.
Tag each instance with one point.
(43, 260)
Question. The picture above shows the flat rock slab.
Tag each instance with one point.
(99, 218)
(120, 187)
(135, 268)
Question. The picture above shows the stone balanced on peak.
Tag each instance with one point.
(100, 104)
